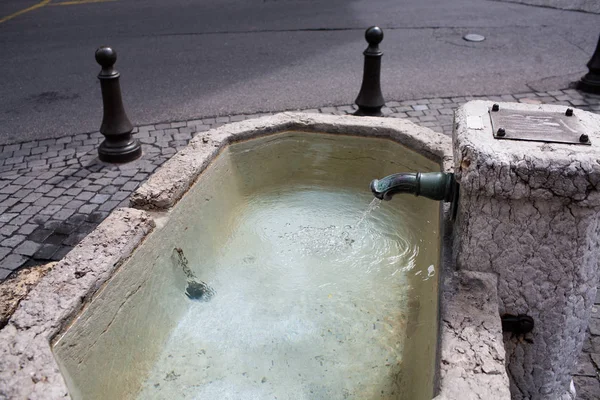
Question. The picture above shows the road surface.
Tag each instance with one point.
(184, 59)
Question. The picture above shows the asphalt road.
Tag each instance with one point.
(183, 59)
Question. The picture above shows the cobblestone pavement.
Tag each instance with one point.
(54, 192)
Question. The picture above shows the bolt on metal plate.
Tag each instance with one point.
(537, 126)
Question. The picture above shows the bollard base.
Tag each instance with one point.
(119, 153)
(590, 83)
(368, 112)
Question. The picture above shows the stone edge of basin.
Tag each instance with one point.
(472, 353)
(167, 185)
(28, 368)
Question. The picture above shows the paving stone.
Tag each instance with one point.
(119, 196)
(43, 201)
(108, 190)
(130, 173)
(51, 210)
(61, 201)
(6, 217)
(88, 208)
(587, 388)
(56, 238)
(73, 192)
(76, 219)
(23, 180)
(578, 102)
(18, 208)
(594, 326)
(20, 220)
(31, 210)
(22, 152)
(27, 248)
(64, 140)
(54, 180)
(99, 198)
(204, 128)
(139, 177)
(97, 216)
(67, 212)
(74, 238)
(67, 183)
(584, 366)
(55, 192)
(4, 273)
(120, 181)
(596, 361)
(4, 252)
(87, 227)
(32, 197)
(84, 196)
(41, 218)
(103, 181)
(93, 188)
(130, 186)
(10, 189)
(108, 206)
(12, 241)
(44, 189)
(12, 262)
(46, 251)
(62, 251)
(27, 229)
(22, 193)
(83, 183)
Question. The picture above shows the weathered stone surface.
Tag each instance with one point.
(175, 177)
(13, 290)
(472, 352)
(27, 366)
(530, 212)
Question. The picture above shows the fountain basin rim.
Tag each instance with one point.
(167, 185)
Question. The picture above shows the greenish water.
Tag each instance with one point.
(313, 289)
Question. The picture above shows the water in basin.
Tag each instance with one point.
(312, 297)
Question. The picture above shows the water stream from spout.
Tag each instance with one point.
(373, 205)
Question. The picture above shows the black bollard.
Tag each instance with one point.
(590, 83)
(118, 146)
(370, 100)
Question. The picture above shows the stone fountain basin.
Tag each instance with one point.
(98, 300)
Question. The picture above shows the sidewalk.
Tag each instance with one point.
(54, 192)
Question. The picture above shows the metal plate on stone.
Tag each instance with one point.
(537, 126)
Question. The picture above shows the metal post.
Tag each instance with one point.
(119, 146)
(590, 83)
(370, 100)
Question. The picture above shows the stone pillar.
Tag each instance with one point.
(529, 212)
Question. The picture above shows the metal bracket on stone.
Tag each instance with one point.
(537, 126)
